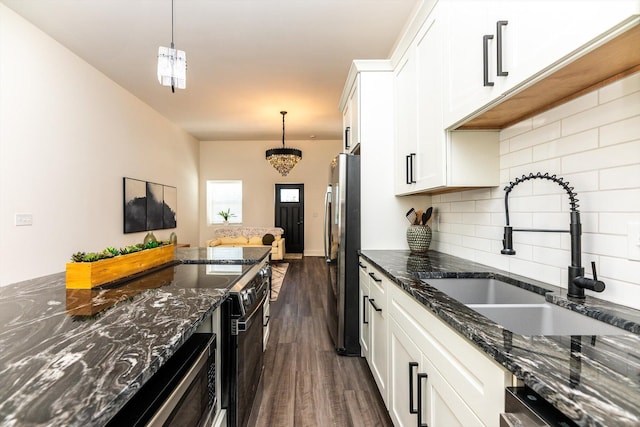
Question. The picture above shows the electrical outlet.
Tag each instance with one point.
(633, 240)
(24, 219)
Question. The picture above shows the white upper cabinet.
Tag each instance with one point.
(428, 158)
(495, 47)
(365, 104)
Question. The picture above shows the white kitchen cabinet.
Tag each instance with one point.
(463, 386)
(365, 102)
(428, 158)
(351, 120)
(365, 312)
(417, 389)
(531, 37)
(378, 324)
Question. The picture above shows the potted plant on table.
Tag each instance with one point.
(226, 215)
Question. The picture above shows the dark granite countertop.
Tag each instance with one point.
(222, 255)
(74, 357)
(594, 380)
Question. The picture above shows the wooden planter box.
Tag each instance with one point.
(87, 275)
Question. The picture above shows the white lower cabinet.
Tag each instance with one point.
(378, 323)
(365, 313)
(424, 368)
(418, 393)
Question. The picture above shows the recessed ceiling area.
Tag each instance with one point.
(247, 60)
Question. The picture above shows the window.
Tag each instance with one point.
(224, 196)
(289, 195)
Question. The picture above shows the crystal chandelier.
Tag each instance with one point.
(172, 64)
(283, 159)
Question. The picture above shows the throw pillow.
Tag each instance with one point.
(268, 239)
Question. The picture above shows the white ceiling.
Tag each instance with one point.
(247, 59)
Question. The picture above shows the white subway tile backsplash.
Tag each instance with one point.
(516, 158)
(606, 157)
(622, 131)
(568, 145)
(465, 206)
(605, 244)
(545, 133)
(611, 201)
(516, 129)
(567, 109)
(620, 269)
(620, 177)
(619, 89)
(616, 223)
(603, 114)
(593, 142)
(552, 256)
(476, 218)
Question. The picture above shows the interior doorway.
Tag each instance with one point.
(290, 215)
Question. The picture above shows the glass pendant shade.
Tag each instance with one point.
(172, 67)
(283, 159)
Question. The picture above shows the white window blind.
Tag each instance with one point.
(221, 196)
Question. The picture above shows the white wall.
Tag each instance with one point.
(68, 135)
(594, 143)
(245, 160)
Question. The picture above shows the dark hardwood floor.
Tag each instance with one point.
(305, 382)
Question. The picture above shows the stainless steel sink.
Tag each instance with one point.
(485, 291)
(544, 319)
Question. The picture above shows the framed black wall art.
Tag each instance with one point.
(148, 205)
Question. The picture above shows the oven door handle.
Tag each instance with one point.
(165, 411)
(245, 322)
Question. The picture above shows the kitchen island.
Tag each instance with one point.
(594, 384)
(75, 357)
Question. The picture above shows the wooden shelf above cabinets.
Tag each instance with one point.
(611, 61)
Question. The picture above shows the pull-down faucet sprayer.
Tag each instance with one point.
(577, 282)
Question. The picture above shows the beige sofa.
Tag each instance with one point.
(249, 236)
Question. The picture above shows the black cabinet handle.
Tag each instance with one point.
(364, 267)
(407, 166)
(499, 29)
(268, 319)
(420, 378)
(373, 276)
(485, 58)
(375, 307)
(413, 162)
(364, 311)
(347, 131)
(412, 365)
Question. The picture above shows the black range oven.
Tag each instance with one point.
(245, 351)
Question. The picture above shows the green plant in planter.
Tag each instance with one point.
(226, 214)
(111, 252)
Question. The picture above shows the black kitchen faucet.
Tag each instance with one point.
(577, 281)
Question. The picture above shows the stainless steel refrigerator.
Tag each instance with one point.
(341, 246)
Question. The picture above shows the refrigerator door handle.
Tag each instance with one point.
(326, 225)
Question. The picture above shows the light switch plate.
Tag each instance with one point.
(23, 219)
(633, 241)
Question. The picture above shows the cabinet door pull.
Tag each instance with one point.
(407, 166)
(413, 162)
(421, 377)
(373, 276)
(485, 58)
(347, 131)
(412, 409)
(375, 307)
(362, 266)
(499, 29)
(364, 309)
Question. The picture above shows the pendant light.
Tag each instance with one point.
(172, 64)
(283, 159)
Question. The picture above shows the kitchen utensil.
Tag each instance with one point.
(427, 215)
(418, 218)
(411, 216)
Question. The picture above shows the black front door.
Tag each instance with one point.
(290, 215)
